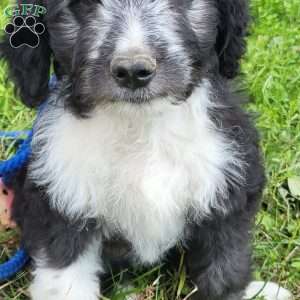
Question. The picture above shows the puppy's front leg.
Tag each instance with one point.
(77, 281)
(66, 252)
(218, 258)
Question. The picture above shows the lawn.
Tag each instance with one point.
(271, 76)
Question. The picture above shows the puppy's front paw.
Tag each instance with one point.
(60, 292)
(55, 294)
(77, 281)
(51, 284)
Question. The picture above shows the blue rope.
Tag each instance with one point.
(11, 166)
(14, 134)
(8, 169)
(14, 265)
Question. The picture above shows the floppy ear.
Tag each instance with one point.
(29, 67)
(232, 30)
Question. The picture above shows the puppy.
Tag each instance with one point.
(140, 147)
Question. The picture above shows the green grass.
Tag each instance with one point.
(272, 77)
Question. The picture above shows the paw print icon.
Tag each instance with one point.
(24, 32)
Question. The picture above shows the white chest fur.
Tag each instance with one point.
(141, 168)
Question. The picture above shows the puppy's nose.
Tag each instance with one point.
(133, 72)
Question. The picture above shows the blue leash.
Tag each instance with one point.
(14, 265)
(14, 134)
(8, 169)
(11, 166)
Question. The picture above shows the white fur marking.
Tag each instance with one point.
(133, 34)
(99, 27)
(140, 167)
(199, 14)
(77, 282)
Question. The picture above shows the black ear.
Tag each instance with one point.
(232, 30)
(29, 67)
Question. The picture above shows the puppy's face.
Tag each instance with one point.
(129, 50)
(132, 50)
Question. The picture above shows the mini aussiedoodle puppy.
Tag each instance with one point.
(141, 146)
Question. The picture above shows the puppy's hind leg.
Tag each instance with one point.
(78, 281)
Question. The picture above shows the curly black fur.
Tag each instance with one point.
(233, 25)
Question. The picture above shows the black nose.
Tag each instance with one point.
(133, 72)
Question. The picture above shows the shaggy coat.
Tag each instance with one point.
(140, 147)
